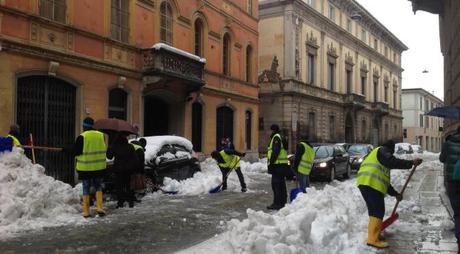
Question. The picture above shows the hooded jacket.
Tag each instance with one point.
(450, 153)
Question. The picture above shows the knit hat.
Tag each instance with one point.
(88, 122)
(274, 127)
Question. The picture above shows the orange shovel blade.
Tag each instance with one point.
(393, 217)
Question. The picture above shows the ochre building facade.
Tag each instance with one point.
(180, 67)
(331, 71)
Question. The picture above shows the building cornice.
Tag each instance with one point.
(65, 57)
(214, 91)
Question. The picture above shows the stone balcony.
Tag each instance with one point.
(381, 108)
(163, 62)
(355, 101)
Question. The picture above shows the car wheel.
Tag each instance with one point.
(348, 172)
(332, 174)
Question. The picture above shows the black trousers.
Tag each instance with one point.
(453, 192)
(374, 200)
(279, 190)
(124, 192)
(226, 173)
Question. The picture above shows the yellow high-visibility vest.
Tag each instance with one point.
(282, 156)
(137, 147)
(373, 174)
(15, 140)
(93, 157)
(230, 161)
(306, 161)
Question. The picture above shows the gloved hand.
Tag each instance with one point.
(399, 197)
(417, 161)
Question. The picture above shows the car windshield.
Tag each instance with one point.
(322, 151)
(358, 149)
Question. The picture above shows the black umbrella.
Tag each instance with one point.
(450, 112)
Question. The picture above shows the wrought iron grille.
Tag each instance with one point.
(46, 108)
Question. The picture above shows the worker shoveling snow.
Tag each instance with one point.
(31, 200)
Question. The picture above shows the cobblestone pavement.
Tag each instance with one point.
(428, 230)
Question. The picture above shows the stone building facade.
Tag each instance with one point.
(419, 128)
(63, 60)
(449, 21)
(331, 72)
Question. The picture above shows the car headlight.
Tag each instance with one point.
(360, 160)
(322, 165)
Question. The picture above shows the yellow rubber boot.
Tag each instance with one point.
(86, 213)
(99, 208)
(373, 232)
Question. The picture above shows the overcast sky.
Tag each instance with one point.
(420, 33)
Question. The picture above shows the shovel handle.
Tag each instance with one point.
(404, 187)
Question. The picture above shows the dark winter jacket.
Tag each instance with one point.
(450, 153)
(387, 159)
(126, 161)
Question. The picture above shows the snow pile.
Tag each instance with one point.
(31, 200)
(321, 221)
(332, 220)
(181, 52)
(155, 143)
(211, 176)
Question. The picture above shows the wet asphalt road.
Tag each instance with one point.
(163, 224)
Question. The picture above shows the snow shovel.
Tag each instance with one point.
(218, 187)
(394, 215)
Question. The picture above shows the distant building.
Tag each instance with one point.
(417, 127)
(450, 46)
(330, 70)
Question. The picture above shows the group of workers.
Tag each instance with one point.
(373, 177)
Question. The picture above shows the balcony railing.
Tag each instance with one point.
(165, 60)
(355, 101)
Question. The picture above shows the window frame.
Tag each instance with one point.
(166, 23)
(49, 8)
(118, 31)
(198, 42)
(226, 46)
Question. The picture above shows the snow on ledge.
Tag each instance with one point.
(161, 45)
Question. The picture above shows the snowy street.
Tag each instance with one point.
(330, 218)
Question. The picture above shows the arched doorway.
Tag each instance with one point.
(224, 124)
(197, 125)
(349, 129)
(156, 116)
(46, 108)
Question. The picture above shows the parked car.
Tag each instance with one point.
(403, 148)
(344, 145)
(169, 156)
(357, 153)
(330, 161)
(417, 148)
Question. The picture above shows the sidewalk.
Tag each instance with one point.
(427, 228)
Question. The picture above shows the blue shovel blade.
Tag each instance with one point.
(294, 193)
(216, 189)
